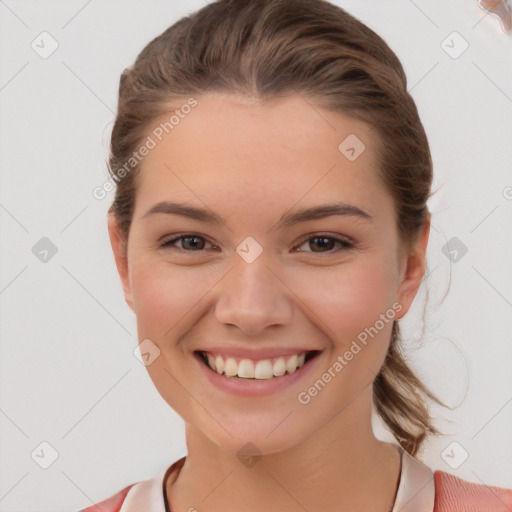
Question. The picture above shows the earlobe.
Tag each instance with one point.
(119, 249)
(414, 270)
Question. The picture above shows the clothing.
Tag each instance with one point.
(419, 490)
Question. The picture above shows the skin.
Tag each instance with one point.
(250, 163)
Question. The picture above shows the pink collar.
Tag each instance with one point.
(415, 491)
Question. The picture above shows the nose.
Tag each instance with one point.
(253, 297)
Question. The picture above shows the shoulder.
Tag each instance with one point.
(453, 494)
(112, 504)
(140, 496)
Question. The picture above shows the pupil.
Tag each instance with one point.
(192, 245)
(323, 242)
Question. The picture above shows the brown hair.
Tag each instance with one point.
(268, 49)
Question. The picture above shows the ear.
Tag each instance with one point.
(119, 248)
(412, 274)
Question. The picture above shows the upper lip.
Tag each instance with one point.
(257, 353)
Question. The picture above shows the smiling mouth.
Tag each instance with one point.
(251, 370)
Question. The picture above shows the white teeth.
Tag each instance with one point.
(262, 370)
(219, 365)
(211, 360)
(279, 367)
(231, 367)
(246, 369)
(291, 365)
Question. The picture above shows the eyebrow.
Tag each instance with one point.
(286, 221)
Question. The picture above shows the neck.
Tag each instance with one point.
(341, 466)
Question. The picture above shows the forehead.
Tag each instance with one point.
(232, 148)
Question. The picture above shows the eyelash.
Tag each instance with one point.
(344, 243)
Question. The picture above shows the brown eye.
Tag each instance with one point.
(189, 242)
(326, 244)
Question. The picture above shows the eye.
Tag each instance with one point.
(324, 241)
(190, 243)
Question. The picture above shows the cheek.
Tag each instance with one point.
(164, 302)
(347, 298)
(170, 299)
(162, 297)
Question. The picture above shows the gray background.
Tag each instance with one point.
(67, 371)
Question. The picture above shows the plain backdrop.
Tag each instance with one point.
(69, 377)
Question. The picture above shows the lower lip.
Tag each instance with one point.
(256, 387)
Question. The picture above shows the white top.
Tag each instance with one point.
(415, 491)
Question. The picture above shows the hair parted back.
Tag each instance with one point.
(267, 49)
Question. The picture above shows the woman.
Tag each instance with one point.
(270, 229)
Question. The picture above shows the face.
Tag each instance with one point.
(263, 275)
